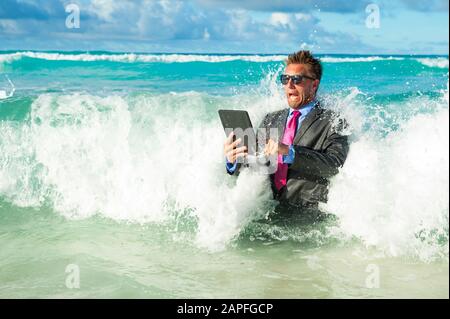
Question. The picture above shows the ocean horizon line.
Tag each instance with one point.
(9, 51)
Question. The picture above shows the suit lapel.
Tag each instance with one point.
(281, 123)
(307, 122)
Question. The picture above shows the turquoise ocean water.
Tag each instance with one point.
(111, 164)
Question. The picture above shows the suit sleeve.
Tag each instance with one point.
(324, 163)
(233, 170)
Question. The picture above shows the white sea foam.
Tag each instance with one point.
(89, 155)
(393, 192)
(441, 63)
(359, 59)
(139, 158)
(133, 57)
(177, 58)
(9, 57)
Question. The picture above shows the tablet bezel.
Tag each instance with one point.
(239, 119)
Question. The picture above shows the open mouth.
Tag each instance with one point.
(293, 95)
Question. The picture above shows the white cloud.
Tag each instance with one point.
(303, 17)
(104, 9)
(9, 26)
(278, 18)
(168, 23)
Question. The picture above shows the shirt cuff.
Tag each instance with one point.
(289, 158)
(231, 168)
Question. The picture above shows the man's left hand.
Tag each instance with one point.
(274, 148)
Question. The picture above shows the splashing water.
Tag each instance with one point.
(104, 165)
(4, 94)
(393, 191)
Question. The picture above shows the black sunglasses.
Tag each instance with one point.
(296, 79)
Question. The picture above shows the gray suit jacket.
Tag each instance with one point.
(320, 150)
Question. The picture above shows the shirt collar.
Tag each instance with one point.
(305, 109)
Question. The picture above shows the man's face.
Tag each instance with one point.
(300, 94)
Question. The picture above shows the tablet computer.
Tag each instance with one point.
(239, 122)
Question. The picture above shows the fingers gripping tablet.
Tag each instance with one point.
(239, 123)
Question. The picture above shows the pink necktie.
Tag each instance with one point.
(288, 138)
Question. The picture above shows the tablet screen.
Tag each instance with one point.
(239, 122)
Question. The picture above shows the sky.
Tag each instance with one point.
(227, 26)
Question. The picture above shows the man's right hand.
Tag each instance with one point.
(231, 151)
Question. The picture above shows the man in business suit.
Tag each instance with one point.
(309, 146)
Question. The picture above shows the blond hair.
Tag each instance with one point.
(306, 57)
